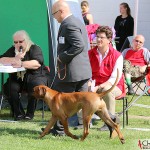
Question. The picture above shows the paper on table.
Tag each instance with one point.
(5, 67)
(10, 69)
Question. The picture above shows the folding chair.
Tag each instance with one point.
(138, 84)
(124, 104)
(141, 83)
(133, 102)
(146, 90)
(148, 80)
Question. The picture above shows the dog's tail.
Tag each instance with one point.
(105, 92)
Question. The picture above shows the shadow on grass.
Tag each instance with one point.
(20, 132)
(31, 134)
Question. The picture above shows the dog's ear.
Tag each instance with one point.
(42, 91)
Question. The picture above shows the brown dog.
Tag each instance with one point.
(65, 105)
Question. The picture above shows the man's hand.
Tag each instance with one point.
(143, 69)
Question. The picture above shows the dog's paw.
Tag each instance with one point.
(75, 137)
(82, 139)
(122, 140)
(41, 135)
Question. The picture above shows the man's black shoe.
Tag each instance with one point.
(55, 132)
(19, 118)
(116, 120)
(80, 126)
(28, 118)
(104, 128)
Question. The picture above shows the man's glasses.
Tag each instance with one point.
(55, 12)
(137, 41)
(100, 37)
(16, 42)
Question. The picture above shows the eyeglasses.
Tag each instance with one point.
(55, 12)
(16, 42)
(84, 5)
(101, 37)
(137, 41)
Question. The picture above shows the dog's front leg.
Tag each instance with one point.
(86, 122)
(66, 128)
(49, 126)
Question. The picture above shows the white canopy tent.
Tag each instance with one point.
(136, 16)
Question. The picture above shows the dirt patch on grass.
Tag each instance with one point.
(140, 117)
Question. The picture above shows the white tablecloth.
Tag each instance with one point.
(10, 69)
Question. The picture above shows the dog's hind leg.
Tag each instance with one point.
(66, 128)
(49, 126)
(103, 114)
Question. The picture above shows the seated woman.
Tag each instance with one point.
(136, 60)
(24, 53)
(87, 17)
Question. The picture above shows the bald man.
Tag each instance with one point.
(73, 60)
(136, 60)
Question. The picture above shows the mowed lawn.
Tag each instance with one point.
(23, 135)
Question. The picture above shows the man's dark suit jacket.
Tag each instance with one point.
(73, 50)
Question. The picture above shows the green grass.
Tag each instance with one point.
(24, 135)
